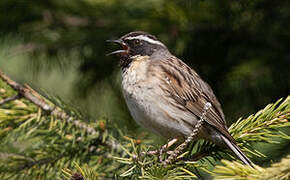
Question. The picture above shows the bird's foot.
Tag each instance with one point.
(165, 147)
(161, 150)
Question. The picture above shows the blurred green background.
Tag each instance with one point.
(241, 48)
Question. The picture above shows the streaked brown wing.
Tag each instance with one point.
(190, 91)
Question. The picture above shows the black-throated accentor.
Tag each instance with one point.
(166, 96)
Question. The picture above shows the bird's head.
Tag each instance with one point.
(137, 43)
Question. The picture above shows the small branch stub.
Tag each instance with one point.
(8, 99)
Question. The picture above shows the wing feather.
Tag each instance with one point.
(190, 91)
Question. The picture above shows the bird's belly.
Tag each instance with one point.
(149, 105)
(149, 109)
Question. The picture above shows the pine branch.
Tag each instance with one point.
(38, 100)
(55, 137)
(236, 170)
(263, 126)
(31, 95)
(49, 137)
(28, 93)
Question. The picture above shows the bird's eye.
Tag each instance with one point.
(137, 42)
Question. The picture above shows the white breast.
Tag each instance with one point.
(146, 103)
(136, 90)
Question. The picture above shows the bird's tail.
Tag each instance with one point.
(238, 152)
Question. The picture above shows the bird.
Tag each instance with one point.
(166, 96)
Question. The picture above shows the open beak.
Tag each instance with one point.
(125, 49)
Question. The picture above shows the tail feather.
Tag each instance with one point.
(238, 152)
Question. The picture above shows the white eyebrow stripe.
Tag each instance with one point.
(145, 38)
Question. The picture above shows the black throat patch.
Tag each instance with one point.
(125, 62)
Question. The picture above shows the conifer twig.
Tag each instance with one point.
(11, 98)
(236, 170)
(34, 97)
(27, 93)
